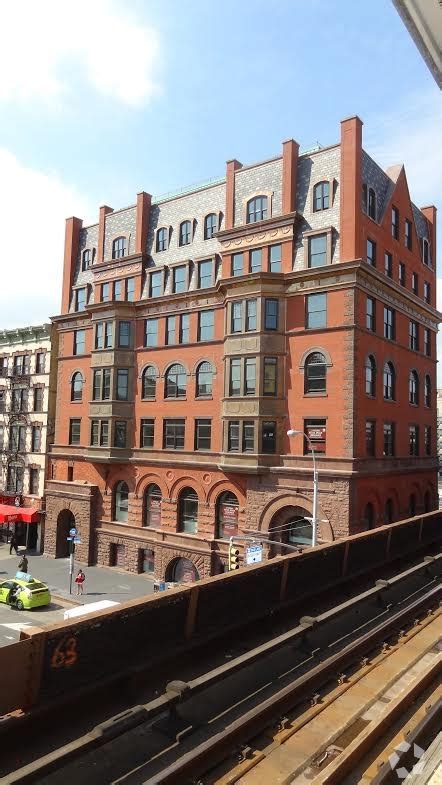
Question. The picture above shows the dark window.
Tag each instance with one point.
(389, 382)
(188, 511)
(19, 399)
(152, 506)
(413, 437)
(151, 332)
(173, 434)
(316, 311)
(250, 376)
(148, 382)
(179, 279)
(427, 292)
(427, 342)
(412, 505)
(427, 390)
(388, 261)
(121, 502)
(270, 375)
(80, 299)
(371, 203)
(122, 384)
(210, 226)
(101, 384)
(235, 377)
(371, 252)
(268, 437)
(77, 387)
(119, 248)
(106, 384)
(33, 481)
(17, 438)
(38, 399)
(40, 362)
(389, 514)
(413, 334)
(22, 365)
(184, 335)
(227, 509)
(118, 290)
(79, 342)
(415, 283)
(120, 434)
(233, 436)
(205, 274)
(74, 431)
(369, 518)
(275, 259)
(425, 251)
(2, 436)
(236, 317)
(402, 273)
(204, 379)
(104, 433)
(408, 234)
(185, 233)
(96, 385)
(123, 335)
(205, 325)
(36, 439)
(237, 264)
(147, 433)
(317, 250)
(162, 239)
(389, 439)
(364, 197)
(427, 440)
(413, 388)
(248, 436)
(257, 209)
(370, 316)
(95, 432)
(105, 292)
(203, 434)
(170, 330)
(86, 259)
(389, 323)
(315, 373)
(15, 478)
(256, 260)
(321, 196)
(130, 289)
(370, 438)
(176, 381)
(156, 284)
(270, 314)
(250, 315)
(104, 335)
(395, 223)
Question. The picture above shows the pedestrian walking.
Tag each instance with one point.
(79, 580)
(13, 544)
(23, 563)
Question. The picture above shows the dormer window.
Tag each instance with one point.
(371, 206)
(119, 248)
(321, 196)
(86, 259)
(425, 251)
(210, 225)
(185, 233)
(162, 239)
(257, 209)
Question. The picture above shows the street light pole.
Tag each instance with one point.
(291, 433)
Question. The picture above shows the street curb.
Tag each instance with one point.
(60, 598)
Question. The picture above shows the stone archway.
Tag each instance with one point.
(65, 521)
(181, 570)
(291, 525)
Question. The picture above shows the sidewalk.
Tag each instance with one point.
(102, 583)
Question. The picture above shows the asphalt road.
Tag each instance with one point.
(12, 620)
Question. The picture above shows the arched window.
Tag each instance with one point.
(77, 387)
(148, 382)
(370, 375)
(119, 248)
(204, 379)
(427, 501)
(369, 516)
(185, 233)
(227, 509)
(389, 382)
(371, 203)
(427, 391)
(412, 505)
(86, 259)
(162, 239)
(210, 225)
(388, 517)
(176, 380)
(321, 196)
(188, 511)
(257, 209)
(413, 388)
(152, 506)
(121, 501)
(315, 373)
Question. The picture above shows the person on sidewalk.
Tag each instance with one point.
(13, 544)
(79, 580)
(23, 563)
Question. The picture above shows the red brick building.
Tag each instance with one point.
(195, 330)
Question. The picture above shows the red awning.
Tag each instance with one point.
(11, 514)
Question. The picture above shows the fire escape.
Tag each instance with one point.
(14, 406)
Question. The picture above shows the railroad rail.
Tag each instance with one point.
(196, 724)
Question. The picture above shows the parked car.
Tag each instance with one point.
(26, 592)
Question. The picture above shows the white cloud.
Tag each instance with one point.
(33, 206)
(46, 44)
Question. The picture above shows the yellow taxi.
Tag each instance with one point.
(24, 591)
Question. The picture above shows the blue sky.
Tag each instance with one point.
(101, 100)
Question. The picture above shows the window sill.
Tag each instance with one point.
(315, 395)
(147, 399)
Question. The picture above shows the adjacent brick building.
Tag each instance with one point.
(195, 330)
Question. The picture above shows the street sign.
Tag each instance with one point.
(253, 554)
(72, 532)
(69, 539)
(77, 541)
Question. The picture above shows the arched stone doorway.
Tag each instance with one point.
(293, 526)
(181, 571)
(65, 521)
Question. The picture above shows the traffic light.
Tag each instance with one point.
(233, 558)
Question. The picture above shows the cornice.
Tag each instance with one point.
(263, 231)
